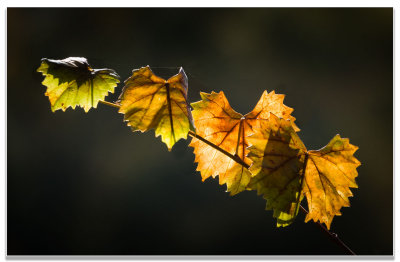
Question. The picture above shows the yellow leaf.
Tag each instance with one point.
(217, 122)
(330, 173)
(72, 82)
(149, 101)
(278, 160)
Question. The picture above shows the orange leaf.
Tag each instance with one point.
(272, 103)
(330, 173)
(217, 122)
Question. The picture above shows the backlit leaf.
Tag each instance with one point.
(271, 103)
(258, 151)
(72, 82)
(330, 173)
(217, 122)
(278, 156)
(148, 101)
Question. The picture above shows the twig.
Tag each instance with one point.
(237, 159)
(333, 236)
(109, 104)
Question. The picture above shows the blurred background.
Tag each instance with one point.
(84, 184)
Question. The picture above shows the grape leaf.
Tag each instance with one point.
(258, 151)
(330, 173)
(217, 122)
(148, 101)
(271, 103)
(72, 82)
(278, 156)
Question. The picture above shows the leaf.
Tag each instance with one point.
(149, 101)
(72, 82)
(278, 156)
(217, 122)
(330, 173)
(271, 103)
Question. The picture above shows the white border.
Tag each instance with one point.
(180, 3)
(3, 138)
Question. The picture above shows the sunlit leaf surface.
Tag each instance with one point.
(148, 101)
(330, 173)
(258, 151)
(217, 122)
(72, 82)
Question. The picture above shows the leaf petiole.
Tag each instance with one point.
(109, 104)
(235, 158)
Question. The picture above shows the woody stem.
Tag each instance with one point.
(333, 236)
(238, 160)
(235, 158)
(109, 104)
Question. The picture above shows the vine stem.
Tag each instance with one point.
(235, 158)
(238, 160)
(109, 104)
(333, 235)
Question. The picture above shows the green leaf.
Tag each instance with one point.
(72, 82)
(278, 157)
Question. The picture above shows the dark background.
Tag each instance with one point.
(85, 184)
